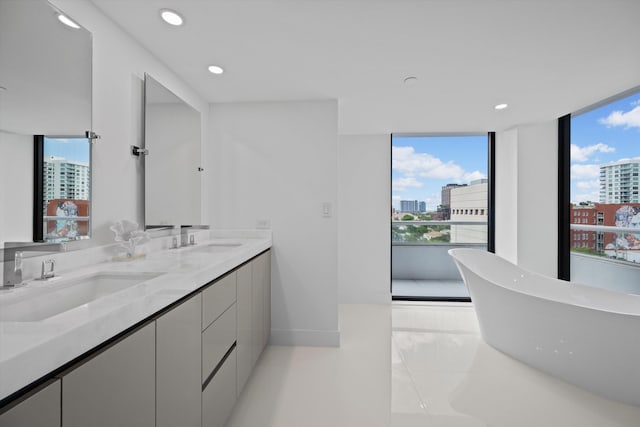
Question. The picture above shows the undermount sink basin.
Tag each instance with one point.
(216, 247)
(63, 295)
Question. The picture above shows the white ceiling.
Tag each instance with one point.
(545, 58)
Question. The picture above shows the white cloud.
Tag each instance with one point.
(585, 171)
(589, 191)
(472, 176)
(629, 119)
(409, 163)
(581, 154)
(588, 185)
(403, 184)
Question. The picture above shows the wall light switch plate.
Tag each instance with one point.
(263, 223)
(326, 209)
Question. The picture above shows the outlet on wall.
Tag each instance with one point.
(263, 223)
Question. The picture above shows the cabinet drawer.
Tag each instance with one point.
(217, 298)
(219, 396)
(217, 339)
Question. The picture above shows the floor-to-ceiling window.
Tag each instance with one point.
(604, 210)
(440, 200)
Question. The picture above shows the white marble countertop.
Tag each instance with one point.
(30, 350)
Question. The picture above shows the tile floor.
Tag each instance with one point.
(409, 365)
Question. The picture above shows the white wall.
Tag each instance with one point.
(526, 196)
(364, 257)
(538, 198)
(277, 161)
(16, 198)
(119, 64)
(506, 203)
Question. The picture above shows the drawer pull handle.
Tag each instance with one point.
(218, 366)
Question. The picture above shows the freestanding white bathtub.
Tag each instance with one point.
(587, 336)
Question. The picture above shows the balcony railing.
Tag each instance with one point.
(615, 243)
(421, 267)
(438, 232)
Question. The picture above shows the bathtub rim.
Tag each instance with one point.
(564, 286)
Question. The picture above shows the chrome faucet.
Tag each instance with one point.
(184, 235)
(189, 239)
(13, 256)
(48, 272)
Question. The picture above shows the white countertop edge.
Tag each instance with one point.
(38, 348)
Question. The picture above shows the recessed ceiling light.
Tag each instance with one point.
(411, 80)
(171, 17)
(501, 106)
(215, 69)
(67, 21)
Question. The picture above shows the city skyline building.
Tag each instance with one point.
(445, 200)
(587, 214)
(620, 245)
(469, 203)
(65, 179)
(413, 206)
(619, 181)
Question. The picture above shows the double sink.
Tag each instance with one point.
(48, 299)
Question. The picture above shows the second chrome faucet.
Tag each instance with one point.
(48, 269)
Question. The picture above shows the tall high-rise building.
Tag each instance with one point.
(422, 206)
(65, 179)
(445, 200)
(411, 206)
(619, 181)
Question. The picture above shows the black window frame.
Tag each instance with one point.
(491, 216)
(564, 181)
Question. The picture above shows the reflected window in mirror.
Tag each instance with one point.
(46, 70)
(62, 202)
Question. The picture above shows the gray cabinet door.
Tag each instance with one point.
(116, 387)
(257, 305)
(178, 360)
(244, 324)
(42, 409)
(219, 395)
(266, 324)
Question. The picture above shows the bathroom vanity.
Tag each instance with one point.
(173, 349)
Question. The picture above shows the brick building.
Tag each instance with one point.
(613, 215)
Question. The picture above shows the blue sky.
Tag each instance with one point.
(74, 149)
(603, 135)
(421, 166)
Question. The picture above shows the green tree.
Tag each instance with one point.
(407, 217)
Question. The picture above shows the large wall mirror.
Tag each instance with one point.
(172, 164)
(45, 80)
